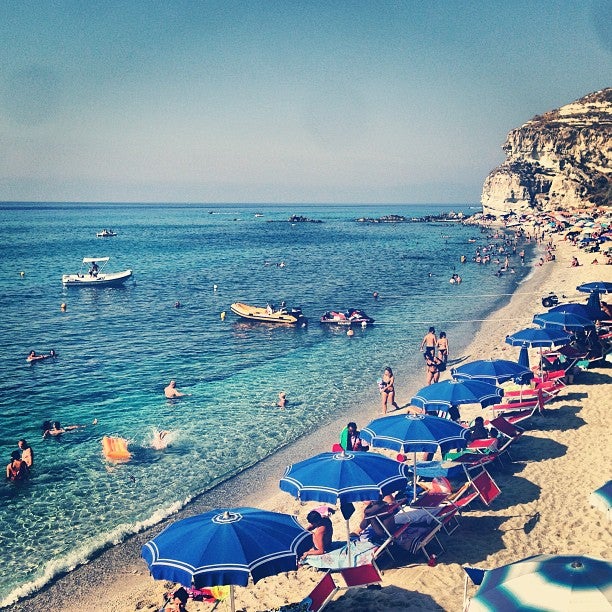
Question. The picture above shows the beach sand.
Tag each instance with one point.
(544, 506)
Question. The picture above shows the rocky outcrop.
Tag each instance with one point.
(557, 161)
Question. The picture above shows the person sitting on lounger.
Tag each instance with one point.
(322, 533)
(478, 431)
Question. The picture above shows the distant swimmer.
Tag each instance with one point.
(32, 356)
(56, 429)
(171, 391)
(282, 400)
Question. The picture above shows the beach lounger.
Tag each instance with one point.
(354, 577)
(487, 488)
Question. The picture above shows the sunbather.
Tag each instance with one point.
(322, 533)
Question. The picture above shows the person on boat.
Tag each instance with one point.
(93, 271)
(172, 392)
(442, 345)
(429, 342)
(27, 454)
(387, 390)
(322, 533)
(17, 469)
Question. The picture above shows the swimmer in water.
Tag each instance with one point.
(171, 391)
(282, 400)
(161, 439)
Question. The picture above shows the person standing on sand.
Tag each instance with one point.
(429, 343)
(387, 390)
(172, 392)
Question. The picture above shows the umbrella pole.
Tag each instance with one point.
(348, 543)
(414, 476)
(232, 603)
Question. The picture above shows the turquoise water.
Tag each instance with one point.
(119, 347)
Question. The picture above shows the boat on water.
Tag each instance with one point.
(93, 275)
(106, 233)
(269, 313)
(352, 316)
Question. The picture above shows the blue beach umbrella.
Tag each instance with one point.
(582, 310)
(563, 320)
(493, 371)
(226, 547)
(602, 498)
(344, 477)
(443, 395)
(595, 287)
(415, 433)
(523, 359)
(546, 582)
(538, 337)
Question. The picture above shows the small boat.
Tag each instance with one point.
(106, 233)
(349, 317)
(95, 276)
(269, 314)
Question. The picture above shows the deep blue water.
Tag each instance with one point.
(119, 347)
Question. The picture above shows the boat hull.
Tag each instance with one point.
(355, 317)
(257, 313)
(102, 280)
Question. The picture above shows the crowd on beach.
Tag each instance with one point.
(435, 350)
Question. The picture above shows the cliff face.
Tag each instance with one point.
(557, 161)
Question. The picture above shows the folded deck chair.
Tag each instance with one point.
(322, 594)
(487, 488)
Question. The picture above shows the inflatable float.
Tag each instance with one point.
(115, 449)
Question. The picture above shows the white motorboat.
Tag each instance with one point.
(106, 233)
(93, 275)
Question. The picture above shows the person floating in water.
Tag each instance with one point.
(172, 392)
(282, 400)
(32, 356)
(56, 429)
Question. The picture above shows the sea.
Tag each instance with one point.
(117, 348)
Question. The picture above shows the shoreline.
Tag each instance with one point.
(117, 579)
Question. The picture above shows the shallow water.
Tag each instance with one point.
(118, 348)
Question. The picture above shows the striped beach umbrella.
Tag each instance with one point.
(546, 583)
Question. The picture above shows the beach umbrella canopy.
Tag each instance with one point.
(538, 337)
(582, 310)
(602, 499)
(595, 287)
(226, 547)
(493, 371)
(443, 395)
(415, 433)
(563, 320)
(546, 582)
(344, 477)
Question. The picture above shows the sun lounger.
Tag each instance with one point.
(487, 488)
(354, 577)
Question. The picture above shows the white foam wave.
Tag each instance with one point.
(83, 555)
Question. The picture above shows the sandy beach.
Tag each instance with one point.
(544, 506)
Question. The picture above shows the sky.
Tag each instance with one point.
(269, 101)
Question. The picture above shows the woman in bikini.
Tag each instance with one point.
(387, 390)
(443, 347)
(17, 469)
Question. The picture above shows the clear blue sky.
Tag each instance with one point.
(268, 101)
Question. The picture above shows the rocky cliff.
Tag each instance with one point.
(557, 161)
